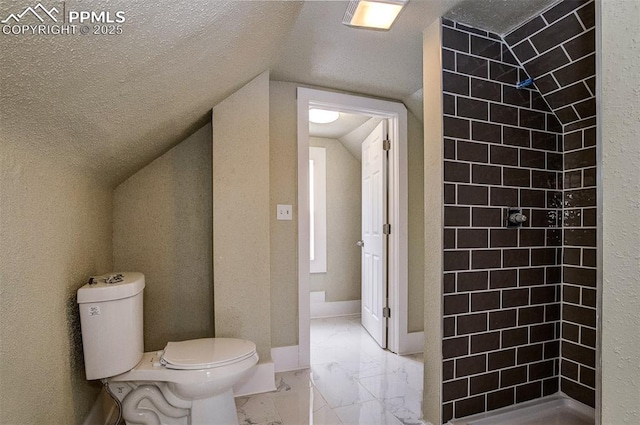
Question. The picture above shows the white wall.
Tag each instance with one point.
(620, 111)
(241, 246)
(342, 279)
(162, 228)
(55, 232)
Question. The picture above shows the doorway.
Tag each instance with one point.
(399, 339)
(347, 203)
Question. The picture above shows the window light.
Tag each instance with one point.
(373, 14)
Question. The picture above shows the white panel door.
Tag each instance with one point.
(374, 247)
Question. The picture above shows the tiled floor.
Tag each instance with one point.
(351, 381)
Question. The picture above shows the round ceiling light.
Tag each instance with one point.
(321, 116)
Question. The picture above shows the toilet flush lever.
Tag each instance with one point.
(360, 243)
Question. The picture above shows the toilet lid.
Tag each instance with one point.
(206, 353)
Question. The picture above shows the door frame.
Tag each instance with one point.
(399, 340)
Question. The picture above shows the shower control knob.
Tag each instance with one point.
(517, 218)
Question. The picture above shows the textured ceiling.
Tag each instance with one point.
(352, 141)
(498, 16)
(111, 104)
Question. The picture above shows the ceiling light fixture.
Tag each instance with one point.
(373, 14)
(322, 116)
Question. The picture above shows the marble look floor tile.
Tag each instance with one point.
(410, 373)
(297, 380)
(309, 399)
(389, 363)
(362, 368)
(407, 409)
(367, 413)
(351, 381)
(325, 416)
(387, 386)
(297, 408)
(337, 353)
(256, 409)
(337, 386)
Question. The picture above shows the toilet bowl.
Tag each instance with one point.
(188, 383)
(194, 380)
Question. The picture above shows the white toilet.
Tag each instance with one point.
(188, 383)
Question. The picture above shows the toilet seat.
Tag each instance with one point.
(206, 353)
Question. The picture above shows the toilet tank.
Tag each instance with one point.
(111, 321)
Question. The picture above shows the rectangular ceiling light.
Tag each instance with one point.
(373, 14)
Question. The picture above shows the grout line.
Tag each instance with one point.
(584, 27)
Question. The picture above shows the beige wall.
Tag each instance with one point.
(162, 228)
(55, 232)
(344, 208)
(241, 254)
(434, 204)
(415, 162)
(283, 189)
(621, 203)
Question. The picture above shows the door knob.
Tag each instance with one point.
(360, 243)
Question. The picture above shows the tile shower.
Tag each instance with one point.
(519, 304)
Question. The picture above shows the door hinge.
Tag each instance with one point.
(386, 145)
(386, 312)
(386, 229)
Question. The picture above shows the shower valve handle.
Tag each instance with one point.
(517, 218)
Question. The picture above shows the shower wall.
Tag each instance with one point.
(502, 285)
(557, 48)
(520, 305)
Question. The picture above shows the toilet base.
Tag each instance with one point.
(217, 410)
(147, 403)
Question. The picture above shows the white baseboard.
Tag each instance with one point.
(412, 343)
(320, 308)
(286, 358)
(260, 380)
(317, 296)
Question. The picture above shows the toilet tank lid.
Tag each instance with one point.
(132, 283)
(206, 353)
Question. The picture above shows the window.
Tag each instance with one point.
(318, 210)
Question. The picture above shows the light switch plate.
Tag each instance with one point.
(284, 212)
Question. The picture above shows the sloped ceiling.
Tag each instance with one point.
(111, 104)
(498, 16)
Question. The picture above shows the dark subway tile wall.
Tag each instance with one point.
(502, 292)
(558, 50)
(579, 266)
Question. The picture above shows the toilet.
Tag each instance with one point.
(187, 383)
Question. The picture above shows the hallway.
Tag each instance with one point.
(351, 381)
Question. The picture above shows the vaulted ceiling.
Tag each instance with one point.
(111, 104)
